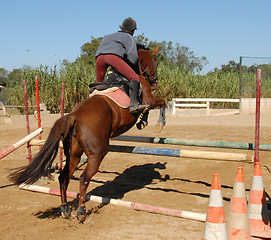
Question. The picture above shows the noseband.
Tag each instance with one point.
(147, 74)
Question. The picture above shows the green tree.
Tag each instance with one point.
(266, 69)
(3, 77)
(232, 66)
(179, 56)
(14, 77)
(88, 51)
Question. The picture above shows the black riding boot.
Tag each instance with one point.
(135, 107)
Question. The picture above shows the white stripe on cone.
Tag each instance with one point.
(216, 199)
(215, 231)
(257, 183)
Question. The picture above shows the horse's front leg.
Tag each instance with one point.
(162, 116)
(143, 122)
(155, 102)
(161, 120)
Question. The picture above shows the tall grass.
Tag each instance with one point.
(249, 85)
(75, 76)
(173, 81)
(177, 82)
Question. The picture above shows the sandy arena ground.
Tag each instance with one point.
(178, 183)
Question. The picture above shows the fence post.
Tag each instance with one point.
(5, 112)
(62, 114)
(257, 115)
(27, 120)
(208, 108)
(173, 107)
(38, 105)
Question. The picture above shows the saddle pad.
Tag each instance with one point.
(115, 94)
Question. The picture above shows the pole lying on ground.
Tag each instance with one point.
(181, 153)
(136, 206)
(20, 143)
(189, 142)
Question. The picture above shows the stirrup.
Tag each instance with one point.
(138, 108)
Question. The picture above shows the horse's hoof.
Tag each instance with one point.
(81, 214)
(82, 218)
(140, 125)
(158, 127)
(65, 211)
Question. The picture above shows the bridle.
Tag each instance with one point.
(147, 74)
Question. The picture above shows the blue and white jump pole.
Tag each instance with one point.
(181, 153)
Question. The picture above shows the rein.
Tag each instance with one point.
(147, 74)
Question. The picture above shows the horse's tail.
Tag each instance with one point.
(41, 163)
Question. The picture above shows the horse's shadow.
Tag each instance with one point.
(133, 178)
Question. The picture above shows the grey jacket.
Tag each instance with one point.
(121, 44)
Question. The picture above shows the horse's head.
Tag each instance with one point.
(148, 66)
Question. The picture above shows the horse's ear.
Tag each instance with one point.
(155, 51)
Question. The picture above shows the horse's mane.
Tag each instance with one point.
(141, 46)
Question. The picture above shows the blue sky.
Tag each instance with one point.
(47, 32)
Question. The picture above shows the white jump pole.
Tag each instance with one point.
(20, 143)
(36, 142)
(136, 206)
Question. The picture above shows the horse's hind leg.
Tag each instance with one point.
(73, 156)
(91, 169)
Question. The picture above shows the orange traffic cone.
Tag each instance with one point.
(215, 224)
(257, 206)
(238, 221)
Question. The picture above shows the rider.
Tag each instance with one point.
(119, 51)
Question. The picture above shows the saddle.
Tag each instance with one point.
(113, 79)
(113, 86)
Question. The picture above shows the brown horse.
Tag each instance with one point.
(87, 129)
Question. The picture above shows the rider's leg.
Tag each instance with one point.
(120, 65)
(101, 67)
(133, 92)
(123, 68)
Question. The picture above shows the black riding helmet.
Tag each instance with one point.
(128, 24)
